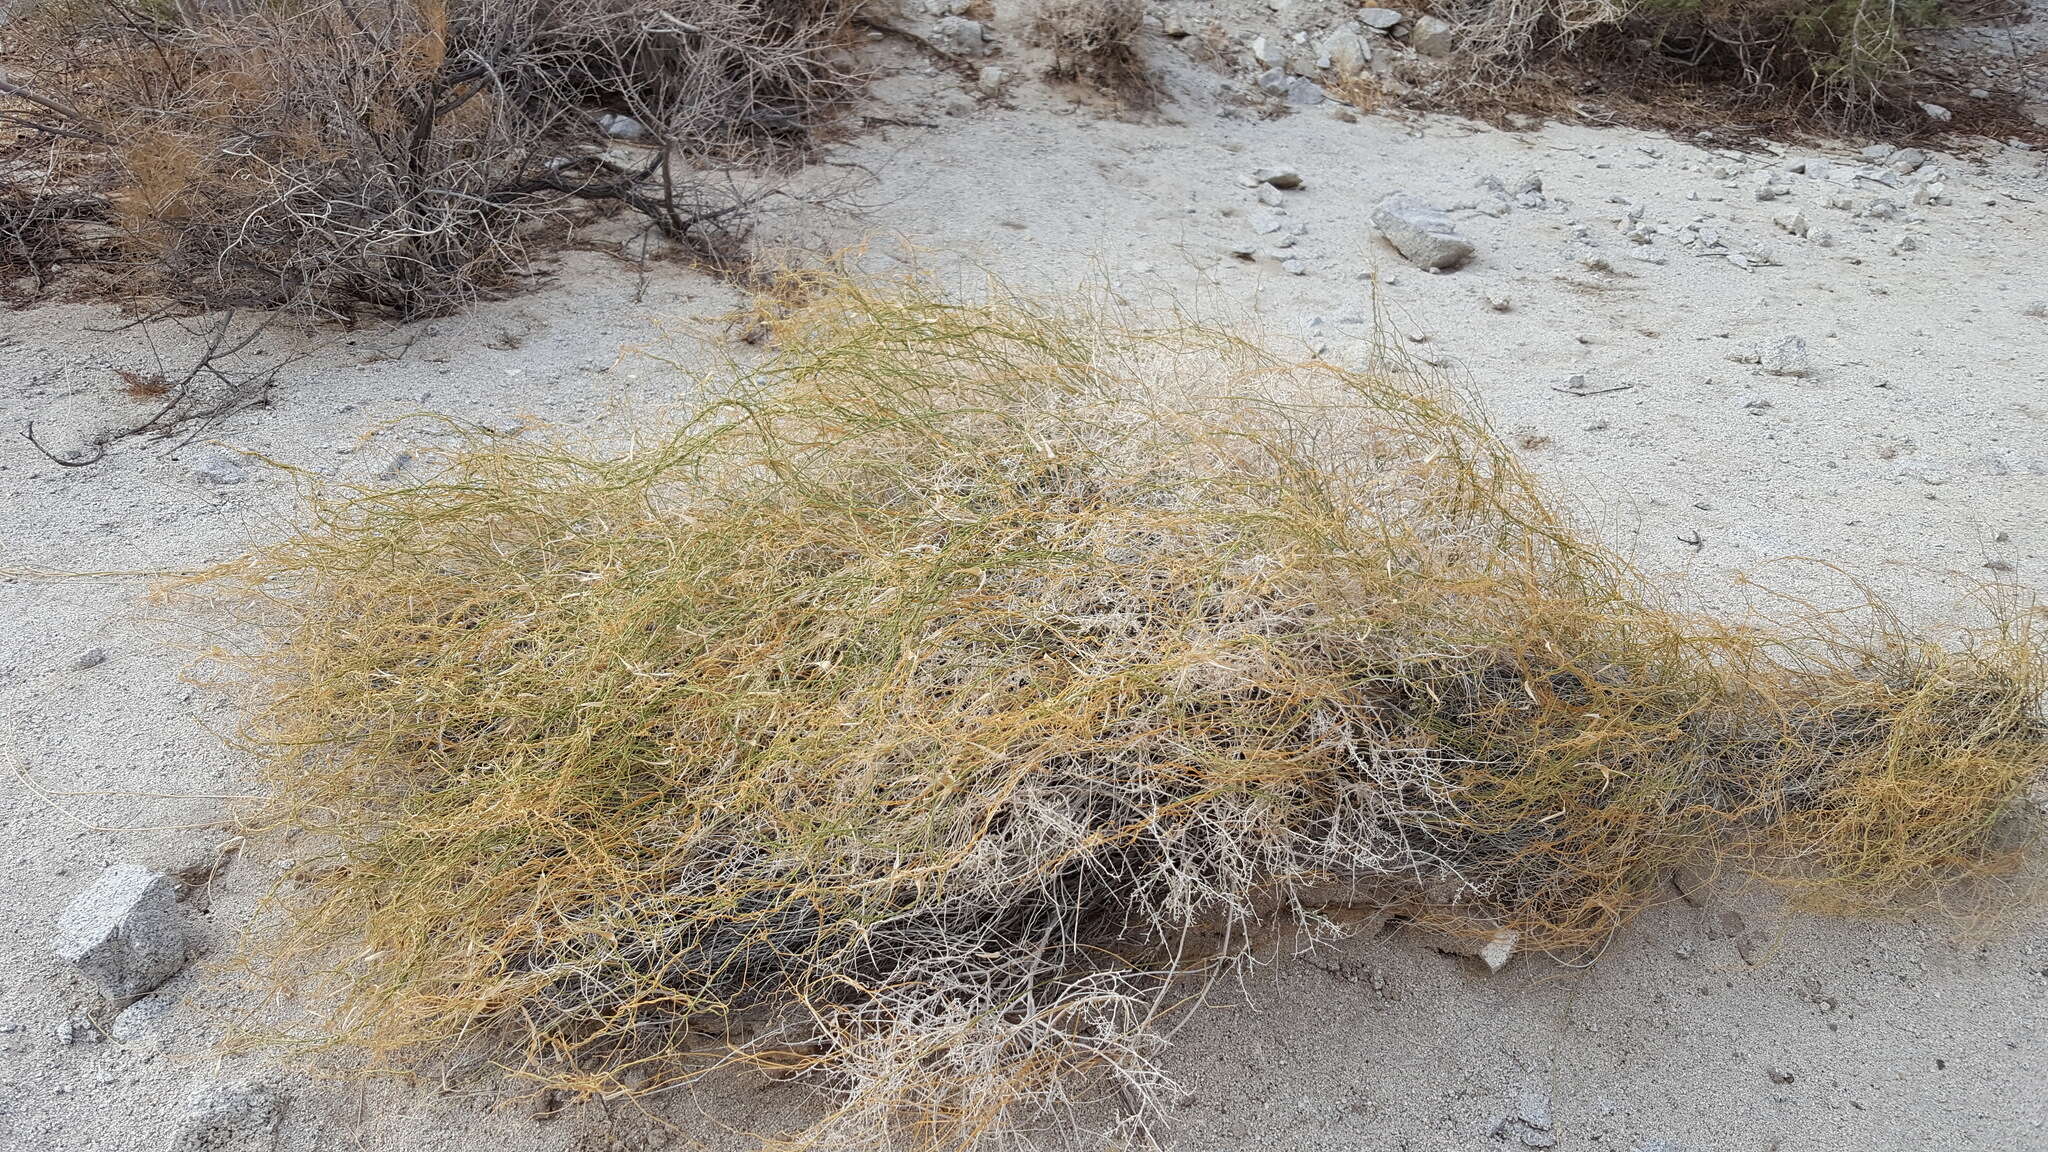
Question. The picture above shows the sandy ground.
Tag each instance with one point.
(1913, 456)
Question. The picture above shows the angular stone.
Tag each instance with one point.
(1432, 36)
(1423, 235)
(124, 932)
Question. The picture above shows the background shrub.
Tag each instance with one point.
(398, 155)
(1845, 59)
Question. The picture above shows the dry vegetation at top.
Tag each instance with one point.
(1842, 61)
(1096, 42)
(918, 717)
(390, 156)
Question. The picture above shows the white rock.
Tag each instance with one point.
(1423, 235)
(1347, 52)
(1791, 220)
(1432, 36)
(1788, 358)
(124, 931)
(1379, 19)
(990, 80)
(621, 127)
(959, 36)
(1936, 112)
(1267, 53)
(1499, 948)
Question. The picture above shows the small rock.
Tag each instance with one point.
(399, 464)
(1432, 36)
(1281, 177)
(1379, 19)
(1906, 161)
(990, 80)
(140, 1019)
(1424, 236)
(1788, 358)
(1791, 220)
(1753, 947)
(74, 1029)
(1267, 53)
(621, 127)
(218, 469)
(1303, 91)
(959, 36)
(1499, 303)
(1347, 52)
(1936, 112)
(90, 658)
(124, 931)
(1907, 242)
(230, 1118)
(1980, 93)
(1780, 1075)
(1499, 949)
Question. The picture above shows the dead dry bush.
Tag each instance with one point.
(399, 156)
(1096, 42)
(917, 718)
(1841, 60)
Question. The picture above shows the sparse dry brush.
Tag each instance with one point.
(1845, 60)
(1096, 42)
(915, 717)
(399, 155)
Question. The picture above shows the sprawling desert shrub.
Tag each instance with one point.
(398, 155)
(918, 717)
(1096, 42)
(1843, 58)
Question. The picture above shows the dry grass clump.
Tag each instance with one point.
(913, 716)
(399, 155)
(1096, 42)
(1845, 60)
